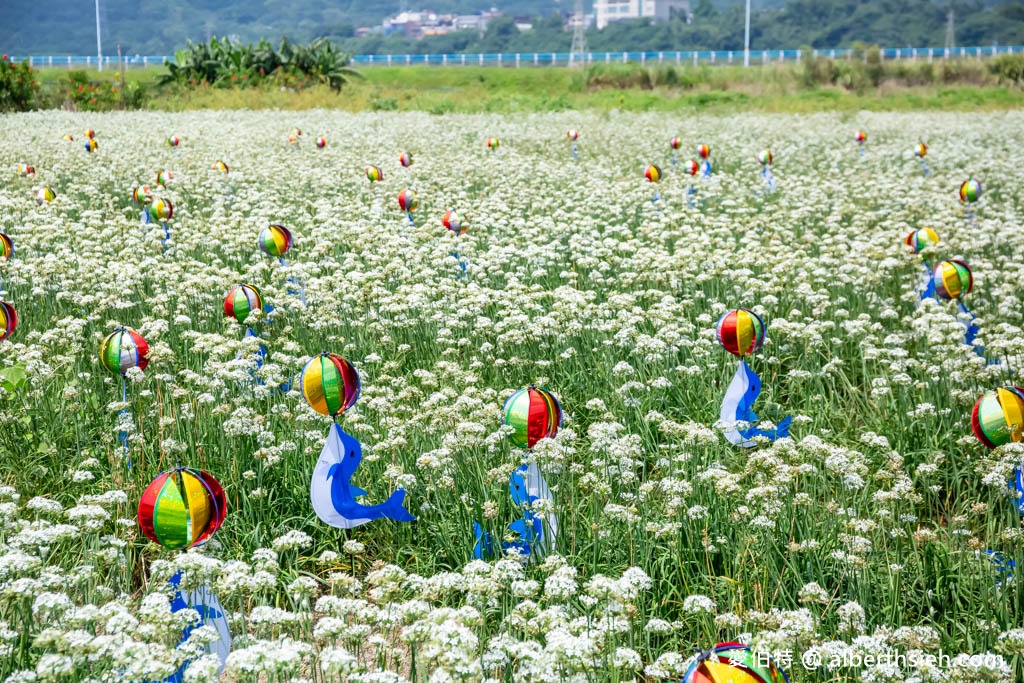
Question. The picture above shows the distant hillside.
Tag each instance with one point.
(151, 27)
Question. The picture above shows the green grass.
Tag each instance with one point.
(474, 89)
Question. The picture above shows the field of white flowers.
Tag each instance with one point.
(864, 534)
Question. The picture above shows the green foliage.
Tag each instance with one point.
(145, 27)
(79, 91)
(719, 26)
(1008, 69)
(226, 63)
(18, 86)
(13, 378)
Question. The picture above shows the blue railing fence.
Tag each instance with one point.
(532, 59)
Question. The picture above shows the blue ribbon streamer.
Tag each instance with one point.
(260, 356)
(122, 436)
(575, 153)
(1004, 566)
(529, 528)
(1017, 484)
(924, 167)
(462, 264)
(971, 331)
(295, 286)
(769, 179)
(926, 288)
(705, 169)
(970, 216)
(484, 546)
(208, 616)
(738, 406)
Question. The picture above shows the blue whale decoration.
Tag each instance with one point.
(333, 495)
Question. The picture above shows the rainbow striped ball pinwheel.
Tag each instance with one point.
(330, 384)
(998, 417)
(454, 222)
(493, 144)
(405, 159)
(733, 663)
(408, 201)
(970, 191)
(533, 414)
(182, 508)
(921, 239)
(703, 151)
(162, 209)
(953, 279)
(740, 332)
(691, 167)
(242, 301)
(321, 142)
(675, 143)
(652, 173)
(374, 174)
(275, 240)
(174, 141)
(91, 145)
(8, 320)
(124, 349)
(142, 194)
(765, 157)
(45, 195)
(221, 166)
(6, 247)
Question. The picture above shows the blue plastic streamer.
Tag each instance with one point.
(122, 436)
(211, 614)
(738, 406)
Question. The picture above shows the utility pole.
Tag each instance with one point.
(747, 36)
(951, 28)
(578, 51)
(99, 45)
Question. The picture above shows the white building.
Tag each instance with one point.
(608, 11)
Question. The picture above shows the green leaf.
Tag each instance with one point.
(13, 378)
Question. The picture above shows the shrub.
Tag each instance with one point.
(78, 92)
(229, 64)
(1008, 69)
(384, 104)
(18, 85)
(621, 76)
(817, 70)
